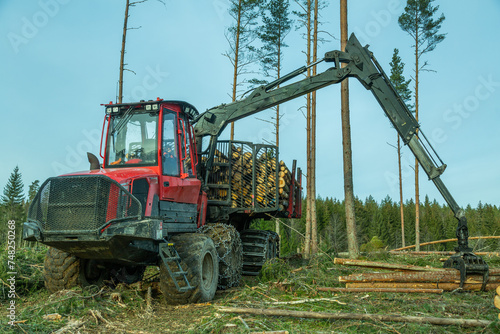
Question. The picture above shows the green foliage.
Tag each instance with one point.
(33, 189)
(302, 14)
(398, 79)
(417, 20)
(276, 25)
(274, 270)
(374, 245)
(241, 36)
(383, 221)
(13, 196)
(29, 268)
(12, 203)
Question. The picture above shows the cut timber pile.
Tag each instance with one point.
(240, 166)
(241, 177)
(496, 301)
(285, 183)
(404, 277)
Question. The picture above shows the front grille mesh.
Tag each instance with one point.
(81, 203)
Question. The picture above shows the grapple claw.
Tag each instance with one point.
(468, 263)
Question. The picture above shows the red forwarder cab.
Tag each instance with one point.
(149, 170)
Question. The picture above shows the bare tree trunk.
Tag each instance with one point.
(122, 55)
(314, 223)
(278, 106)
(307, 241)
(401, 195)
(352, 240)
(357, 316)
(417, 195)
(236, 54)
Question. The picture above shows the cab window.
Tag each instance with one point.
(170, 150)
(133, 140)
(185, 139)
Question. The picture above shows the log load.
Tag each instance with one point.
(250, 176)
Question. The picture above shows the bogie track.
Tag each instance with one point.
(258, 247)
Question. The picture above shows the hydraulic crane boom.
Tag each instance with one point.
(362, 65)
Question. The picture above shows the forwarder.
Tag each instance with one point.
(169, 193)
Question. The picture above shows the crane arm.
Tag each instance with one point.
(360, 64)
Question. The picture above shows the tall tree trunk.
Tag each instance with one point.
(417, 195)
(314, 223)
(278, 106)
(122, 55)
(307, 241)
(401, 195)
(236, 54)
(352, 240)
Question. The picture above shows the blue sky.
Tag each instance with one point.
(60, 61)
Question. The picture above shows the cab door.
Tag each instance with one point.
(179, 183)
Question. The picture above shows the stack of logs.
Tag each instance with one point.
(241, 179)
(496, 301)
(285, 181)
(407, 278)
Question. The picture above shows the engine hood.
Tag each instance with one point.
(120, 175)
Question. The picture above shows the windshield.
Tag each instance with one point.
(133, 140)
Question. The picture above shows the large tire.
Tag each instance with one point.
(64, 271)
(229, 252)
(199, 259)
(128, 274)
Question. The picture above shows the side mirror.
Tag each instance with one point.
(94, 162)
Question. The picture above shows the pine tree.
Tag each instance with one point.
(418, 21)
(401, 86)
(240, 37)
(32, 191)
(308, 19)
(276, 25)
(13, 196)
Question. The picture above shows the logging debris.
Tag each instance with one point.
(356, 316)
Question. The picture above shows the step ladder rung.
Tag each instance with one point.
(169, 254)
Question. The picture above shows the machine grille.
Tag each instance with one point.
(81, 203)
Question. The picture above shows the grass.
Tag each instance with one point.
(280, 281)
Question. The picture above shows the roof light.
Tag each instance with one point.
(148, 107)
(116, 109)
(155, 106)
(108, 110)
